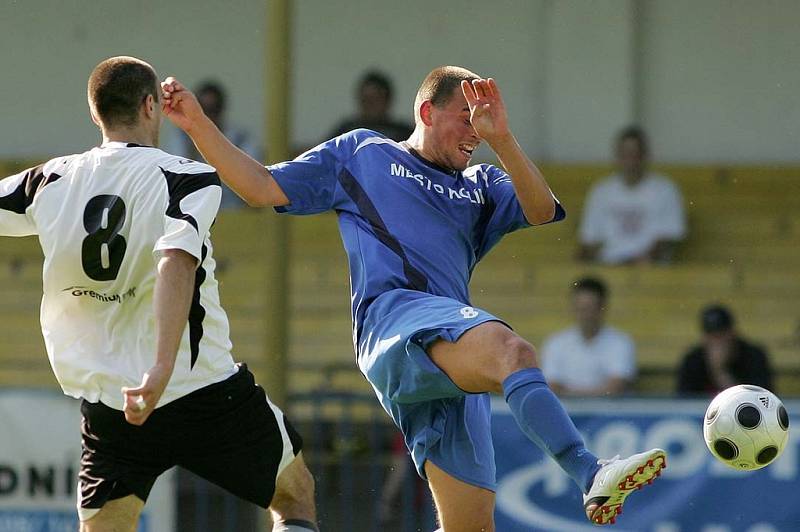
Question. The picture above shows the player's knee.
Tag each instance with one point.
(517, 354)
(294, 499)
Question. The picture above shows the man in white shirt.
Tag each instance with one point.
(633, 216)
(590, 358)
(132, 322)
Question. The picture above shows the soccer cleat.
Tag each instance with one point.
(616, 479)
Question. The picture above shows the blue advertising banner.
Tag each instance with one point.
(49, 521)
(695, 494)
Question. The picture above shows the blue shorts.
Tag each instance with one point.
(440, 422)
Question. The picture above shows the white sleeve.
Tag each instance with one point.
(591, 229)
(16, 195)
(671, 218)
(192, 207)
(623, 364)
(550, 367)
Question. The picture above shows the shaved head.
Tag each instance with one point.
(438, 86)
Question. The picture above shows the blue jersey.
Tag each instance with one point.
(405, 222)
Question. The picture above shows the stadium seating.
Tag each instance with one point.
(743, 250)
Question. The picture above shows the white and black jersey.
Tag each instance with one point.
(102, 218)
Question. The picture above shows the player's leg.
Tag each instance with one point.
(491, 357)
(461, 507)
(119, 464)
(483, 357)
(237, 439)
(421, 353)
(292, 506)
(118, 515)
(447, 430)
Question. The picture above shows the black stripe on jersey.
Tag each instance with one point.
(196, 312)
(32, 183)
(181, 185)
(416, 279)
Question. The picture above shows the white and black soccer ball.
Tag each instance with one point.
(746, 427)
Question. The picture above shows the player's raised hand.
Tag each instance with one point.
(179, 104)
(487, 110)
(142, 400)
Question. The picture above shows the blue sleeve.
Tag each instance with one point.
(311, 180)
(505, 213)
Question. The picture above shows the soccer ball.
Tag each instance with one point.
(746, 427)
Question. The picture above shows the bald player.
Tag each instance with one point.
(415, 220)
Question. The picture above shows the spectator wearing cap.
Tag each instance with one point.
(723, 358)
(590, 358)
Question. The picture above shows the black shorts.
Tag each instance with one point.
(228, 433)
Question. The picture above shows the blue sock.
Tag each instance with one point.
(543, 419)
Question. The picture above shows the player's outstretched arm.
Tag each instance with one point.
(172, 298)
(490, 120)
(246, 176)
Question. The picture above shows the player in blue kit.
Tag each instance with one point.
(415, 220)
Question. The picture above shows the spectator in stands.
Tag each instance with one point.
(213, 99)
(374, 98)
(589, 358)
(723, 358)
(633, 216)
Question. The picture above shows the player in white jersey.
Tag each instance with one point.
(132, 321)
